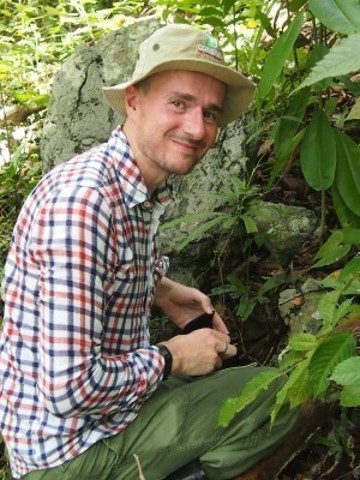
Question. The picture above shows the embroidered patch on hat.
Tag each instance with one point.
(211, 49)
(211, 42)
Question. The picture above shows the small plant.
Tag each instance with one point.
(245, 298)
(231, 215)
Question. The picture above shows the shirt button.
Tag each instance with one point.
(147, 205)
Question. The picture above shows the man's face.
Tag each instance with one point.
(172, 122)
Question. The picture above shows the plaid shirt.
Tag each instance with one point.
(75, 355)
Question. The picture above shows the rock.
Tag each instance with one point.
(299, 307)
(78, 116)
(284, 228)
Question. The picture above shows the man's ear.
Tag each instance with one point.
(131, 98)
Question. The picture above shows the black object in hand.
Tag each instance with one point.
(203, 321)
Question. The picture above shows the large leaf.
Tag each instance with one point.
(251, 390)
(318, 153)
(278, 55)
(332, 250)
(330, 353)
(303, 342)
(289, 124)
(352, 236)
(293, 389)
(339, 61)
(335, 239)
(289, 358)
(348, 171)
(301, 390)
(342, 16)
(317, 54)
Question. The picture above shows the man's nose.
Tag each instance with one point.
(195, 124)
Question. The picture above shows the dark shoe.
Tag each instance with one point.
(191, 471)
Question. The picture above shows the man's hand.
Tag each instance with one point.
(182, 304)
(200, 352)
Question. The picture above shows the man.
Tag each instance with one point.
(84, 394)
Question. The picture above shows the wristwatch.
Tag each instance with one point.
(165, 352)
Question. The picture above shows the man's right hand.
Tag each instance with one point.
(200, 352)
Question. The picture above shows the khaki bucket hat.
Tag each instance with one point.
(183, 47)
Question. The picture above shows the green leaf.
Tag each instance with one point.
(327, 306)
(289, 123)
(350, 270)
(228, 222)
(332, 257)
(339, 313)
(351, 236)
(339, 61)
(280, 163)
(342, 310)
(209, 11)
(265, 22)
(246, 307)
(290, 359)
(278, 55)
(331, 352)
(303, 342)
(275, 281)
(348, 171)
(350, 396)
(191, 217)
(332, 250)
(335, 239)
(347, 372)
(346, 217)
(290, 388)
(198, 232)
(353, 87)
(251, 390)
(250, 224)
(318, 153)
(342, 16)
(301, 390)
(355, 111)
(318, 53)
(228, 4)
(295, 5)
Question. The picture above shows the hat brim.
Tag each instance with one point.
(239, 93)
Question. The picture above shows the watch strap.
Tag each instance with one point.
(166, 354)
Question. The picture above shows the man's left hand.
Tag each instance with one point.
(183, 304)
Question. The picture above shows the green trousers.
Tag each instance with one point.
(178, 424)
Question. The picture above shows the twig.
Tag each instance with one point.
(141, 474)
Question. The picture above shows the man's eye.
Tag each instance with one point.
(211, 116)
(178, 104)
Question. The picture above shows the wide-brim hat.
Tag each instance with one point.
(183, 47)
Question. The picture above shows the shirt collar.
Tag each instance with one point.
(132, 182)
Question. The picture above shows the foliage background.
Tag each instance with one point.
(304, 124)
